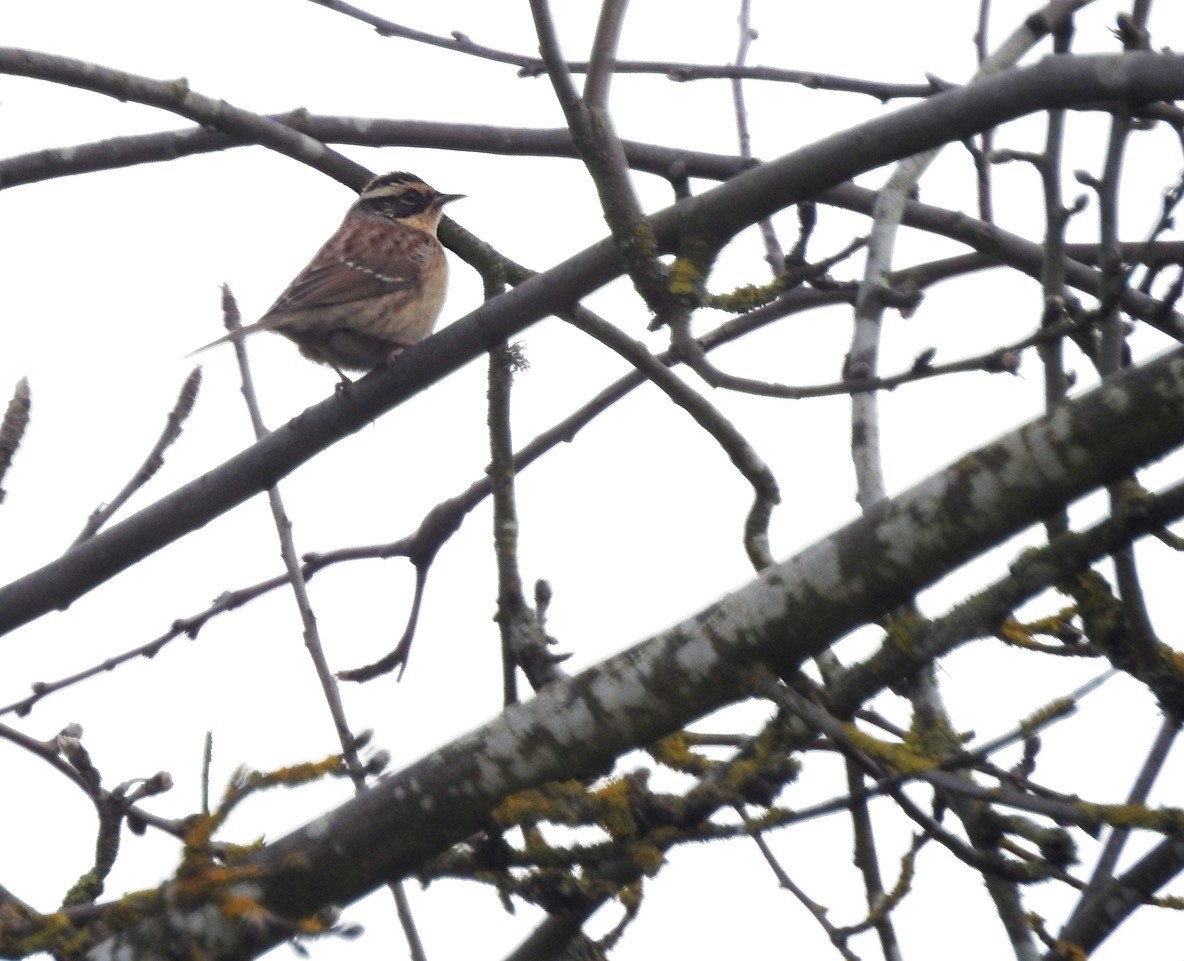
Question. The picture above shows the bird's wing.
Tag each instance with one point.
(343, 272)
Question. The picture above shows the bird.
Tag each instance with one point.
(374, 288)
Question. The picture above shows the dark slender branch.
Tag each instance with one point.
(176, 97)
(1014, 251)
(813, 909)
(513, 615)
(50, 752)
(766, 492)
(867, 860)
(1054, 263)
(602, 62)
(117, 152)
(1103, 872)
(534, 66)
(982, 164)
(600, 149)
(1119, 898)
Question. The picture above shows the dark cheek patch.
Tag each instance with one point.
(397, 207)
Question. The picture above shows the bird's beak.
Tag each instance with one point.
(443, 199)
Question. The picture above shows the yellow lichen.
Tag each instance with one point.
(902, 757)
(1044, 716)
(630, 896)
(1165, 820)
(686, 279)
(1014, 633)
(675, 752)
(613, 807)
(746, 298)
(1176, 660)
(901, 632)
(554, 802)
(243, 908)
(1068, 951)
(647, 858)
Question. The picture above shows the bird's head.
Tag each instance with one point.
(405, 198)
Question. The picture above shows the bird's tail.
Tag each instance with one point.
(267, 323)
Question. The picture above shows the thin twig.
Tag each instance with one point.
(602, 62)
(813, 909)
(153, 462)
(603, 155)
(312, 637)
(774, 255)
(531, 66)
(1103, 872)
(295, 576)
(176, 97)
(982, 154)
(13, 427)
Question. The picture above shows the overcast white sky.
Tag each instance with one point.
(111, 278)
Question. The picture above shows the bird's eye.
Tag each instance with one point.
(411, 197)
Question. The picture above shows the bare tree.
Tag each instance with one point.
(546, 804)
